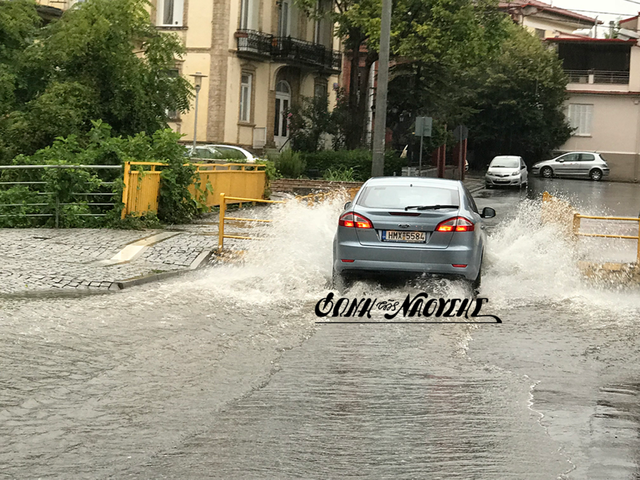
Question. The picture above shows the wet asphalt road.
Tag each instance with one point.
(226, 375)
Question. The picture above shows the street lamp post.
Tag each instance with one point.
(197, 82)
(380, 121)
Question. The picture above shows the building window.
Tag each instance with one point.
(245, 97)
(248, 15)
(320, 89)
(244, 15)
(319, 24)
(284, 26)
(580, 117)
(170, 13)
(540, 33)
(173, 115)
(283, 101)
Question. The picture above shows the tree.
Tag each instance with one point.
(103, 60)
(431, 35)
(19, 23)
(520, 100)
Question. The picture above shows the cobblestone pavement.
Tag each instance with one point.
(36, 259)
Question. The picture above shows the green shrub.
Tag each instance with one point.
(271, 173)
(340, 174)
(290, 164)
(359, 161)
(17, 197)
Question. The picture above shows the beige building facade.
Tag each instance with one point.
(258, 58)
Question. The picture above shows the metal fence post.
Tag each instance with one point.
(57, 209)
(223, 207)
(125, 189)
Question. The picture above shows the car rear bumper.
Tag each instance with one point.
(371, 259)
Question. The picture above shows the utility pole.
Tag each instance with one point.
(380, 126)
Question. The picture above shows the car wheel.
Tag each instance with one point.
(546, 172)
(595, 174)
(340, 281)
(475, 284)
(487, 186)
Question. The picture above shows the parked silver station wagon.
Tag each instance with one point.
(574, 164)
(410, 225)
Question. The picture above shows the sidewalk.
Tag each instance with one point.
(102, 259)
(474, 182)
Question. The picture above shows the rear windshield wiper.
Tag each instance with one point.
(430, 207)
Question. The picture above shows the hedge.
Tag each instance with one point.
(318, 163)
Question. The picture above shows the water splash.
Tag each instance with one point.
(527, 263)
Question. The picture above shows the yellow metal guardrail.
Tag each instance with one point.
(322, 196)
(310, 199)
(560, 211)
(142, 184)
(576, 229)
(223, 210)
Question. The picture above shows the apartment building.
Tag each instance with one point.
(604, 97)
(256, 57)
(545, 20)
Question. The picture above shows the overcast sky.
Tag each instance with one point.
(605, 10)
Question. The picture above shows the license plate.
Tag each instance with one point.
(405, 237)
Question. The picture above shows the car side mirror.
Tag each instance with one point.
(347, 205)
(488, 212)
(524, 167)
(560, 160)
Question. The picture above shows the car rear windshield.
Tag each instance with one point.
(402, 196)
(230, 153)
(508, 162)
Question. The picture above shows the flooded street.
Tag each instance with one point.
(225, 373)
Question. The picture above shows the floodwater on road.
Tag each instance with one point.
(225, 374)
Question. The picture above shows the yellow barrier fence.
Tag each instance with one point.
(561, 212)
(223, 210)
(142, 183)
(310, 199)
(576, 229)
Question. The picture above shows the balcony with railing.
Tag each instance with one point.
(610, 77)
(291, 50)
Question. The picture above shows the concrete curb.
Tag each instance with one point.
(201, 260)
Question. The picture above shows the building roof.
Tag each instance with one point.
(547, 8)
(570, 37)
(628, 19)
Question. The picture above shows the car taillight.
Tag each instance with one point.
(353, 220)
(456, 224)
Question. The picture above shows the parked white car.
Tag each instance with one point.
(506, 170)
(220, 152)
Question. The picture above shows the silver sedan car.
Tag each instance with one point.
(574, 164)
(410, 225)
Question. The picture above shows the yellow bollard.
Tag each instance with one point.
(223, 208)
(576, 224)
